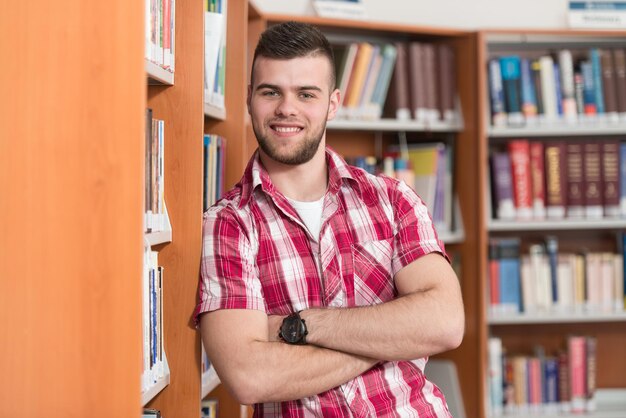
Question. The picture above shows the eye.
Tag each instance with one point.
(306, 95)
(270, 93)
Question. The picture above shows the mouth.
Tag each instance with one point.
(286, 129)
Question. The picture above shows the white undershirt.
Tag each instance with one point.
(311, 214)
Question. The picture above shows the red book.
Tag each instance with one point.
(576, 347)
(519, 151)
(494, 275)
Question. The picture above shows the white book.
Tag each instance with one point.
(548, 89)
(213, 30)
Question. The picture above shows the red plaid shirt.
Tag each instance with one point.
(258, 254)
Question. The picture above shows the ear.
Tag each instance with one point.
(333, 106)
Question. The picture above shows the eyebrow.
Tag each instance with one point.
(275, 87)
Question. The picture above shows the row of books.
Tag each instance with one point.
(215, 52)
(213, 168)
(160, 33)
(545, 280)
(405, 81)
(427, 168)
(154, 360)
(525, 385)
(155, 213)
(534, 180)
(566, 85)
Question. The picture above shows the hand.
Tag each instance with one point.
(273, 324)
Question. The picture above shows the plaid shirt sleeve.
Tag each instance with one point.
(228, 276)
(415, 233)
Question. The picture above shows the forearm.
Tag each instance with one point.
(395, 330)
(427, 319)
(256, 370)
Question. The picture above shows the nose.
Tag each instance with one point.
(287, 106)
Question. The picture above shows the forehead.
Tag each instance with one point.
(301, 71)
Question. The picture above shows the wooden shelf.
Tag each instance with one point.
(210, 380)
(560, 129)
(158, 75)
(554, 225)
(157, 387)
(214, 112)
(392, 125)
(161, 237)
(555, 318)
(611, 403)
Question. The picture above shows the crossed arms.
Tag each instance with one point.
(425, 319)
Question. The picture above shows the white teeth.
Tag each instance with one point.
(285, 129)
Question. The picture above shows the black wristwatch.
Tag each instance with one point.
(293, 330)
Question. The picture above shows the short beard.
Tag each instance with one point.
(302, 154)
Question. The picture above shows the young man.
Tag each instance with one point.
(319, 282)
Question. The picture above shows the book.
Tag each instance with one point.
(379, 95)
(609, 85)
(417, 81)
(519, 152)
(596, 71)
(575, 180)
(619, 60)
(568, 100)
(552, 251)
(510, 291)
(555, 179)
(495, 375)
(548, 89)
(496, 93)
(593, 180)
(398, 102)
(502, 181)
(610, 150)
(576, 348)
(537, 175)
(529, 99)
(431, 76)
(511, 82)
(494, 275)
(446, 91)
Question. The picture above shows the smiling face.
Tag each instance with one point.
(290, 102)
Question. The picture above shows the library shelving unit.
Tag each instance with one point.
(176, 98)
(521, 332)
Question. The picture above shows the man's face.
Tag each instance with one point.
(289, 105)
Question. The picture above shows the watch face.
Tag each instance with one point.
(291, 329)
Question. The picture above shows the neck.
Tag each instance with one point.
(304, 182)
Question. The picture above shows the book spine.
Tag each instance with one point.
(575, 180)
(511, 81)
(577, 366)
(611, 177)
(417, 81)
(494, 275)
(566, 67)
(552, 250)
(496, 93)
(619, 59)
(548, 88)
(555, 179)
(496, 384)
(529, 100)
(590, 357)
(589, 88)
(503, 185)
(537, 171)
(519, 151)
(596, 69)
(593, 180)
(510, 292)
(609, 85)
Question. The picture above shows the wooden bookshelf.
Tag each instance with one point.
(72, 234)
(520, 333)
(181, 107)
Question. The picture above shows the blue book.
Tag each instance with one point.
(496, 93)
(557, 86)
(529, 98)
(596, 68)
(510, 289)
(511, 82)
(551, 379)
(622, 179)
(589, 89)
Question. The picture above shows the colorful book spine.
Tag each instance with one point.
(519, 151)
(496, 93)
(502, 180)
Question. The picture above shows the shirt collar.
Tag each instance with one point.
(256, 176)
